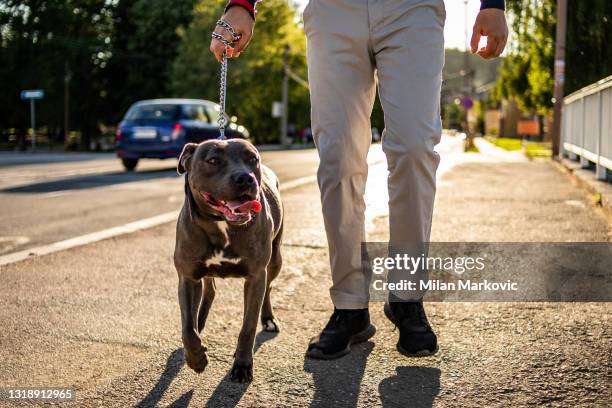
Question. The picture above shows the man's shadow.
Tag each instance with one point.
(412, 386)
(337, 382)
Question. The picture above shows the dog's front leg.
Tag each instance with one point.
(190, 296)
(254, 290)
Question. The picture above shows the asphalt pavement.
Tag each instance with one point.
(103, 318)
(67, 195)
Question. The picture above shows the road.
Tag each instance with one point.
(103, 318)
(55, 200)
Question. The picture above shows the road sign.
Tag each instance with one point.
(467, 102)
(32, 94)
(277, 109)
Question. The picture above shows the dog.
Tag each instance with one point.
(230, 225)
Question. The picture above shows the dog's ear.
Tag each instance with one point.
(184, 161)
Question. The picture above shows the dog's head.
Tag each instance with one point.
(224, 177)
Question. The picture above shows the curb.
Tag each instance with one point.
(601, 191)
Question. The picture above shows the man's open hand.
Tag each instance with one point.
(242, 22)
(491, 23)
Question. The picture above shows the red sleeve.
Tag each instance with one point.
(249, 5)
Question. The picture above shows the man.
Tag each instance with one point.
(351, 43)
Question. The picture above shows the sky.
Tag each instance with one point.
(454, 30)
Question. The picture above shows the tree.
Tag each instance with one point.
(526, 74)
(117, 52)
(38, 38)
(144, 45)
(254, 79)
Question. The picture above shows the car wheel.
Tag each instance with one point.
(129, 164)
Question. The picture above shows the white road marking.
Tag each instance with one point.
(219, 257)
(89, 238)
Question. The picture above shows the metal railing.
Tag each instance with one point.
(587, 126)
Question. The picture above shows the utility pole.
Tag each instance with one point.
(284, 118)
(467, 82)
(67, 77)
(466, 55)
(33, 123)
(559, 76)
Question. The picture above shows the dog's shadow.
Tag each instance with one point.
(228, 394)
(173, 365)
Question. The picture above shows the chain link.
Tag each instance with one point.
(222, 121)
(222, 92)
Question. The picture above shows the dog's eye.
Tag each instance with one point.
(213, 160)
(253, 159)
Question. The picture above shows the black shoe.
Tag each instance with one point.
(345, 328)
(416, 338)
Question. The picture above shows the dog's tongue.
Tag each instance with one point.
(244, 207)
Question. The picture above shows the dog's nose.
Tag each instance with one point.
(243, 179)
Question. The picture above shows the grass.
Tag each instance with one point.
(473, 149)
(532, 149)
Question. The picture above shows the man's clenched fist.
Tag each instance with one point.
(242, 22)
(492, 24)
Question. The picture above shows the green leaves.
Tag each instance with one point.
(254, 79)
(527, 73)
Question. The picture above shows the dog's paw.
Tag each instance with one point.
(197, 360)
(269, 325)
(241, 373)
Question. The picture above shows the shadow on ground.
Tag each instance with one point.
(173, 365)
(93, 180)
(413, 386)
(337, 382)
(228, 394)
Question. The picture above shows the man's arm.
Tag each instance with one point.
(242, 19)
(490, 22)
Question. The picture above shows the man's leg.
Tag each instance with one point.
(342, 89)
(409, 52)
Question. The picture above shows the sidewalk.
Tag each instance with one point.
(104, 318)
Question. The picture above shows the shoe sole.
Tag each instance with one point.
(360, 337)
(400, 349)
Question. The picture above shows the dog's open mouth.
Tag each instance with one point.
(237, 210)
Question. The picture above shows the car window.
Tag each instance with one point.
(153, 112)
(213, 113)
(195, 112)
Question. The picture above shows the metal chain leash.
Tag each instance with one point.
(222, 121)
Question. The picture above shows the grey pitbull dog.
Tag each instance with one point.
(230, 226)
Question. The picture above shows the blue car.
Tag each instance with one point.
(159, 128)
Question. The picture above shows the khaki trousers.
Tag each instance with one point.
(351, 43)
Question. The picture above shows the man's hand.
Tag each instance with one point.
(242, 22)
(491, 23)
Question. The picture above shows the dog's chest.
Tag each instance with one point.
(222, 260)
